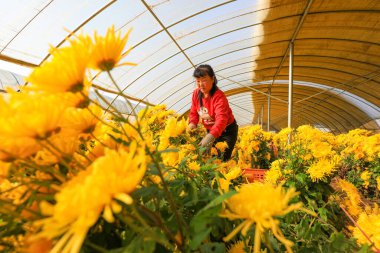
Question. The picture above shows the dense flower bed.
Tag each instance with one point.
(77, 177)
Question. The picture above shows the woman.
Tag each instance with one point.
(210, 103)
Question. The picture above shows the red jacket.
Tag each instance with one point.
(216, 113)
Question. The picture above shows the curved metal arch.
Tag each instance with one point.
(313, 104)
(302, 90)
(313, 77)
(323, 116)
(212, 59)
(322, 59)
(175, 76)
(354, 98)
(261, 23)
(180, 21)
(326, 56)
(321, 56)
(190, 83)
(166, 59)
(320, 118)
(340, 84)
(318, 67)
(312, 119)
(180, 99)
(193, 45)
(363, 101)
(242, 108)
(326, 38)
(80, 26)
(245, 117)
(333, 70)
(27, 23)
(317, 119)
(331, 105)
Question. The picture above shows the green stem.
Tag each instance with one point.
(109, 106)
(62, 158)
(54, 173)
(158, 222)
(96, 247)
(96, 116)
(170, 197)
(267, 242)
(143, 231)
(54, 152)
(121, 92)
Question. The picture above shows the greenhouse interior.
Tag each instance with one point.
(201, 126)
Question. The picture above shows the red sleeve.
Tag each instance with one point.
(194, 116)
(221, 115)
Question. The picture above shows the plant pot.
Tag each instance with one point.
(254, 175)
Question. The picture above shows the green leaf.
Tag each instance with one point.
(138, 244)
(197, 239)
(213, 248)
(168, 150)
(301, 177)
(202, 223)
(364, 249)
(322, 213)
(218, 200)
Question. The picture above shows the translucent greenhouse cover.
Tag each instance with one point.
(335, 51)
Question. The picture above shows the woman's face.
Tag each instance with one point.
(205, 84)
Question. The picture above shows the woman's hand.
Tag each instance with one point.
(207, 141)
(191, 128)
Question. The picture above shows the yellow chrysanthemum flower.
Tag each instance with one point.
(31, 116)
(65, 72)
(281, 138)
(81, 121)
(352, 199)
(370, 224)
(164, 142)
(4, 168)
(221, 146)
(65, 147)
(175, 127)
(260, 204)
(14, 148)
(321, 169)
(224, 183)
(233, 173)
(366, 175)
(170, 158)
(378, 183)
(237, 247)
(13, 191)
(108, 50)
(194, 166)
(90, 193)
(321, 149)
(273, 175)
(213, 151)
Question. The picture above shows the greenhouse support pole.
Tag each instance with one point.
(268, 116)
(290, 90)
